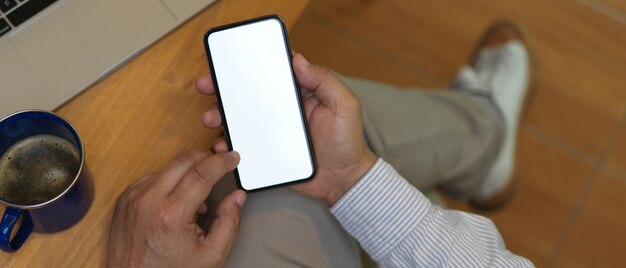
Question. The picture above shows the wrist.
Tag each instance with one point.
(349, 179)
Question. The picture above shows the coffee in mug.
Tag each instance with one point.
(37, 169)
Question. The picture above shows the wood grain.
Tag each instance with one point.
(134, 122)
(579, 50)
(580, 98)
(597, 238)
(321, 43)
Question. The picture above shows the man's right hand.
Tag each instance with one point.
(154, 224)
(335, 121)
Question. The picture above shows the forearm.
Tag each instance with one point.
(399, 227)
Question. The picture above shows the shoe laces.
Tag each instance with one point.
(491, 68)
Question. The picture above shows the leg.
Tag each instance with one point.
(433, 138)
(281, 228)
(462, 140)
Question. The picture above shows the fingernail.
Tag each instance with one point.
(241, 199)
(305, 61)
(233, 154)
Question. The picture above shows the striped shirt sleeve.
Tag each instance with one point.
(399, 227)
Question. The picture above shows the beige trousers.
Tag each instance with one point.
(445, 139)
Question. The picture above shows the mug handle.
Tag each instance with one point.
(10, 218)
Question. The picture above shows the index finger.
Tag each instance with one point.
(197, 183)
(176, 169)
(204, 84)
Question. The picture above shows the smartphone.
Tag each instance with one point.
(260, 102)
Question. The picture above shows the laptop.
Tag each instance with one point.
(50, 50)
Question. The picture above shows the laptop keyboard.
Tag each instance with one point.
(15, 12)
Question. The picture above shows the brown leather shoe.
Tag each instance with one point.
(504, 39)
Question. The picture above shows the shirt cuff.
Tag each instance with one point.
(381, 209)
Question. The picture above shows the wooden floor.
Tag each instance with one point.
(570, 209)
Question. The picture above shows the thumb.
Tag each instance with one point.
(322, 82)
(224, 229)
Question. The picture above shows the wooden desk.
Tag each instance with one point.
(134, 122)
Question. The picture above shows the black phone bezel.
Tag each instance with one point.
(296, 88)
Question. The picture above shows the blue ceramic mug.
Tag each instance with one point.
(43, 177)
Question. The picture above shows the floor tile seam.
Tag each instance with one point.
(595, 173)
(615, 172)
(558, 144)
(606, 9)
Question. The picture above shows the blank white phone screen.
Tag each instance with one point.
(260, 103)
